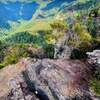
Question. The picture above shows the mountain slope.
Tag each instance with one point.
(23, 15)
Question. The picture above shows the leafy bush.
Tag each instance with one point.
(82, 39)
(91, 26)
(13, 53)
(78, 54)
(73, 42)
(50, 39)
(49, 51)
(2, 65)
(95, 85)
(59, 25)
(59, 29)
(25, 37)
(81, 31)
(3, 46)
(48, 36)
(95, 82)
(85, 46)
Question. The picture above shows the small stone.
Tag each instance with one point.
(36, 92)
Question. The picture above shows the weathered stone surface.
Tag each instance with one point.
(94, 57)
(62, 50)
(9, 72)
(19, 90)
(59, 79)
(47, 79)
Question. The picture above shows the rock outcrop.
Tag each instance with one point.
(94, 57)
(53, 80)
(59, 79)
(62, 50)
(20, 90)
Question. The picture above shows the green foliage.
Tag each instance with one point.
(50, 39)
(26, 38)
(3, 46)
(81, 31)
(73, 42)
(93, 20)
(13, 53)
(50, 32)
(44, 32)
(98, 39)
(59, 25)
(92, 27)
(94, 12)
(59, 30)
(95, 82)
(85, 46)
(23, 37)
(48, 36)
(95, 85)
(2, 65)
(78, 54)
(82, 39)
(49, 51)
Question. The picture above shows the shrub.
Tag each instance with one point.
(10, 59)
(59, 25)
(49, 51)
(82, 32)
(73, 42)
(78, 54)
(2, 65)
(50, 39)
(95, 85)
(95, 82)
(59, 30)
(85, 46)
(15, 52)
(85, 36)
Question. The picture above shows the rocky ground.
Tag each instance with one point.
(47, 79)
(8, 73)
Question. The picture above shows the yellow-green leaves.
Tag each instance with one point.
(85, 36)
(50, 39)
(82, 32)
(59, 25)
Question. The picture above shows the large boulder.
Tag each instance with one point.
(60, 79)
(55, 80)
(94, 57)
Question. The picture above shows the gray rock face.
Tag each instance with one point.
(62, 52)
(52, 80)
(19, 90)
(47, 79)
(61, 49)
(94, 57)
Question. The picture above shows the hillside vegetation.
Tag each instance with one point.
(37, 39)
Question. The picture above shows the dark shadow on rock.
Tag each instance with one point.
(77, 54)
(32, 87)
